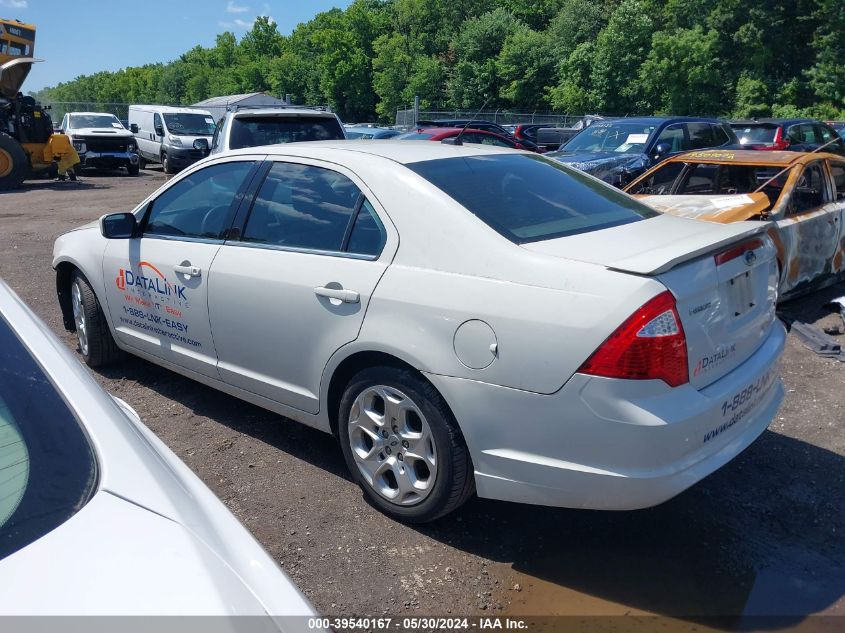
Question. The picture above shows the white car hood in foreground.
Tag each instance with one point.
(153, 540)
(116, 558)
(647, 247)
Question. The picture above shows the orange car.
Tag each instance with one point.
(802, 193)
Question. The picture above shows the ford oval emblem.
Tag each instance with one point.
(750, 257)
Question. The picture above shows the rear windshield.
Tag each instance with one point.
(677, 178)
(755, 133)
(528, 198)
(47, 467)
(414, 136)
(273, 130)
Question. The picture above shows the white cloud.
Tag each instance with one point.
(231, 7)
(14, 4)
(244, 25)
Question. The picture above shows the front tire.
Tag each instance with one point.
(403, 446)
(93, 336)
(14, 164)
(166, 165)
(132, 170)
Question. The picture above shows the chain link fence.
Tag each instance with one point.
(406, 117)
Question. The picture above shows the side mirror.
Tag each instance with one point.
(661, 149)
(133, 127)
(118, 226)
(201, 144)
(159, 130)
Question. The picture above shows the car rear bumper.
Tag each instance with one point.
(610, 444)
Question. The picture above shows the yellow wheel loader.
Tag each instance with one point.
(28, 146)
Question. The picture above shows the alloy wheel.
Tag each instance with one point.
(392, 445)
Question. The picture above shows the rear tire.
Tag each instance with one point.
(93, 336)
(415, 481)
(14, 164)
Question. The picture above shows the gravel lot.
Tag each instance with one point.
(764, 535)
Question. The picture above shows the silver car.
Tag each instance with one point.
(463, 319)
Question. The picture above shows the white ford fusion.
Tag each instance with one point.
(98, 517)
(462, 319)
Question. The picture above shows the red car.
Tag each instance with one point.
(469, 136)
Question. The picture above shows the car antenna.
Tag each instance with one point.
(457, 139)
(790, 164)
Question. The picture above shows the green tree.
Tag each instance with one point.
(526, 65)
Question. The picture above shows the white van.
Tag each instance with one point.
(174, 137)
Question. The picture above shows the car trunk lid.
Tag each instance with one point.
(723, 278)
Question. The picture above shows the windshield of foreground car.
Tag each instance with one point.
(625, 138)
(189, 124)
(47, 467)
(529, 198)
(80, 121)
(253, 131)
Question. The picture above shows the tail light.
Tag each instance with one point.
(650, 344)
(517, 133)
(778, 144)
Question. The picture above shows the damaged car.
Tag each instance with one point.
(619, 150)
(802, 193)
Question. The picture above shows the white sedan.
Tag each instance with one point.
(461, 318)
(99, 517)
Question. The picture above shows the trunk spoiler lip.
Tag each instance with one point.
(666, 242)
(642, 263)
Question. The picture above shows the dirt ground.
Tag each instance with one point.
(762, 536)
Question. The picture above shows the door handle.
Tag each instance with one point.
(188, 271)
(347, 296)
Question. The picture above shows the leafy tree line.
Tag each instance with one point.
(720, 57)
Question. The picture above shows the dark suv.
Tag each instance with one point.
(619, 150)
(795, 135)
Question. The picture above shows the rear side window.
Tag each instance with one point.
(529, 198)
(368, 236)
(804, 133)
(273, 130)
(200, 205)
(302, 206)
(47, 468)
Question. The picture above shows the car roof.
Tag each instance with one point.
(94, 113)
(658, 120)
(403, 152)
(282, 112)
(773, 121)
(750, 157)
(169, 109)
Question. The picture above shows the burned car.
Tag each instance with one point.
(802, 193)
(619, 150)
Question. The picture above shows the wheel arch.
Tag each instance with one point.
(342, 370)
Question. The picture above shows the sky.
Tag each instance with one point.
(81, 37)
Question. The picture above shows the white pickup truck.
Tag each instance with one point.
(101, 141)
